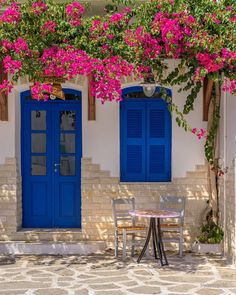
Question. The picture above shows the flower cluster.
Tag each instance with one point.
(74, 12)
(6, 86)
(199, 133)
(65, 63)
(229, 86)
(48, 27)
(11, 15)
(11, 66)
(40, 91)
(106, 85)
(39, 7)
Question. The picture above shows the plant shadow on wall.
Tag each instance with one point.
(43, 38)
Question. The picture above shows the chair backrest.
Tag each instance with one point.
(174, 203)
(120, 208)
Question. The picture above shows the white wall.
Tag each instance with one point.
(187, 149)
(7, 131)
(101, 137)
(227, 138)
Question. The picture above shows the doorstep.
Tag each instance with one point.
(52, 248)
(49, 235)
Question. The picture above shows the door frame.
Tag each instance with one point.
(23, 102)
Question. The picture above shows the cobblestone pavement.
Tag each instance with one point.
(101, 274)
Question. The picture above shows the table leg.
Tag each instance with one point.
(154, 238)
(160, 244)
(146, 242)
(154, 230)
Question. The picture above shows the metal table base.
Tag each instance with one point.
(154, 232)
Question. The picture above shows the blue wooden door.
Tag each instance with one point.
(51, 155)
(145, 138)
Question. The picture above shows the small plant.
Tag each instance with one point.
(211, 233)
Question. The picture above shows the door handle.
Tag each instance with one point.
(57, 164)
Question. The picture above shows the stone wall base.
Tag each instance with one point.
(98, 188)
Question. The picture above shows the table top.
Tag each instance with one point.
(156, 213)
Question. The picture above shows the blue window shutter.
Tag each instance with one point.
(133, 138)
(158, 141)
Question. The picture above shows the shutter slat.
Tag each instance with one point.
(157, 156)
(158, 141)
(134, 156)
(157, 123)
(132, 141)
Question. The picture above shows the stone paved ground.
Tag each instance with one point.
(101, 274)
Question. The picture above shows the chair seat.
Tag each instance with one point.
(168, 225)
(131, 228)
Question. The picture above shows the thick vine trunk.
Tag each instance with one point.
(213, 171)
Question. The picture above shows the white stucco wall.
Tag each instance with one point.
(7, 131)
(101, 137)
(227, 153)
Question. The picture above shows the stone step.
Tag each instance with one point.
(53, 248)
(201, 167)
(110, 180)
(91, 167)
(7, 180)
(7, 167)
(98, 180)
(86, 160)
(189, 181)
(49, 235)
(6, 173)
(10, 161)
(197, 174)
(95, 174)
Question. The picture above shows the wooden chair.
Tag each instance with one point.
(125, 224)
(176, 204)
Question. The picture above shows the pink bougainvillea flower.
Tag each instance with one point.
(201, 134)
(39, 7)
(11, 66)
(40, 91)
(6, 87)
(229, 86)
(21, 46)
(74, 12)
(7, 45)
(11, 14)
(233, 19)
(194, 130)
(48, 27)
(229, 8)
(116, 17)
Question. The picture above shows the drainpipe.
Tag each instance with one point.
(234, 257)
(224, 162)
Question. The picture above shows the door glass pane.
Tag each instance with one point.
(38, 120)
(38, 143)
(67, 166)
(38, 165)
(67, 120)
(67, 143)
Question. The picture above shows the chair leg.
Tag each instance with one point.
(132, 246)
(116, 244)
(181, 243)
(124, 245)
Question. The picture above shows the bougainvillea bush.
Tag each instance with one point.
(43, 38)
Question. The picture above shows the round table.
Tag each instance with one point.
(154, 231)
